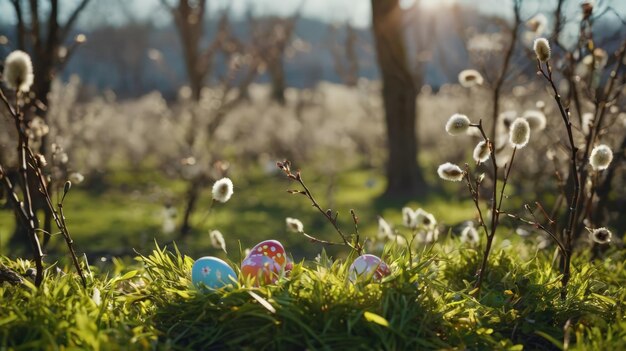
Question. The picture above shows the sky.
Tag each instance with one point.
(357, 12)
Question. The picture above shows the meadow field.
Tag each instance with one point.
(449, 186)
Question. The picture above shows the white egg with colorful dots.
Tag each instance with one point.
(212, 273)
(368, 267)
(272, 249)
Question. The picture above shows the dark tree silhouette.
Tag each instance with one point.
(41, 33)
(400, 89)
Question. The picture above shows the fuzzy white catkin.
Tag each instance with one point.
(542, 49)
(425, 219)
(451, 172)
(222, 190)
(601, 235)
(469, 235)
(470, 77)
(601, 157)
(384, 229)
(409, 218)
(217, 240)
(76, 178)
(536, 120)
(519, 133)
(457, 124)
(537, 24)
(18, 71)
(481, 152)
(294, 225)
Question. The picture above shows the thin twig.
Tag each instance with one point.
(58, 219)
(538, 225)
(320, 241)
(285, 166)
(475, 198)
(573, 208)
(31, 219)
(27, 222)
(494, 213)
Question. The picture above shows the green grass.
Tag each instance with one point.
(151, 304)
(125, 212)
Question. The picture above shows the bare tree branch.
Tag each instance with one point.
(73, 17)
(21, 30)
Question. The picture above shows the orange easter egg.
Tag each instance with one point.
(262, 269)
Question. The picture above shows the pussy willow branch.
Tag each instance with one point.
(538, 225)
(59, 217)
(587, 206)
(573, 208)
(319, 241)
(506, 178)
(285, 167)
(69, 241)
(601, 111)
(27, 222)
(31, 219)
(475, 197)
(494, 208)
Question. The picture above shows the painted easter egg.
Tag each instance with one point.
(272, 249)
(262, 269)
(288, 267)
(368, 267)
(212, 272)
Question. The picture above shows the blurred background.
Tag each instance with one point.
(143, 104)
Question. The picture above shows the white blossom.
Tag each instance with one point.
(217, 240)
(384, 229)
(542, 49)
(222, 190)
(451, 172)
(601, 235)
(294, 225)
(457, 124)
(519, 133)
(470, 77)
(601, 157)
(481, 152)
(18, 71)
(469, 235)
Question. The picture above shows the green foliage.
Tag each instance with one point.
(424, 305)
(117, 219)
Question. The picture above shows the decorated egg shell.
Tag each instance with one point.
(272, 249)
(367, 267)
(262, 269)
(288, 267)
(212, 272)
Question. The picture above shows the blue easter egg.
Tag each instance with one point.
(212, 272)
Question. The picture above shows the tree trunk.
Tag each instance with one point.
(193, 194)
(277, 77)
(399, 96)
